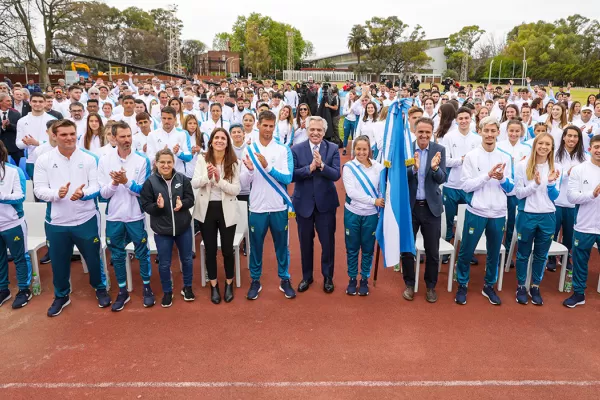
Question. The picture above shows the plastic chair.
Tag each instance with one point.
(35, 216)
(102, 220)
(29, 192)
(22, 165)
(481, 247)
(444, 249)
(12, 161)
(241, 232)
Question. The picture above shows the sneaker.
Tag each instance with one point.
(522, 295)
(445, 259)
(351, 289)
(286, 287)
(22, 298)
(490, 293)
(188, 294)
(149, 300)
(255, 288)
(363, 289)
(103, 298)
(45, 259)
(167, 300)
(344, 152)
(575, 300)
(536, 298)
(474, 260)
(4, 296)
(57, 305)
(551, 264)
(122, 299)
(397, 268)
(409, 293)
(431, 295)
(461, 295)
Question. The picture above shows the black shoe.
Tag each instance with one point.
(122, 299)
(148, 297)
(474, 260)
(344, 152)
(103, 298)
(22, 298)
(188, 294)
(167, 300)
(304, 285)
(45, 259)
(228, 296)
(328, 285)
(551, 264)
(4, 296)
(156, 259)
(512, 264)
(244, 247)
(215, 295)
(10, 258)
(193, 255)
(57, 305)
(445, 259)
(75, 257)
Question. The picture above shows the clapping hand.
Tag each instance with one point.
(435, 161)
(178, 204)
(160, 202)
(553, 176)
(417, 161)
(210, 170)
(216, 174)
(317, 158)
(62, 192)
(78, 194)
(497, 171)
(537, 178)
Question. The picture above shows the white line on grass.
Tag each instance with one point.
(182, 385)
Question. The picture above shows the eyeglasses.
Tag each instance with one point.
(303, 109)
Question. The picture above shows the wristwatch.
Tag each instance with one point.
(321, 166)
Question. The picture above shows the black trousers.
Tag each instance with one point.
(215, 222)
(324, 224)
(431, 229)
(17, 155)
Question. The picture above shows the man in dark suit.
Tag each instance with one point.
(315, 200)
(19, 103)
(312, 98)
(8, 129)
(424, 180)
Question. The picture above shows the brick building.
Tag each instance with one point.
(217, 63)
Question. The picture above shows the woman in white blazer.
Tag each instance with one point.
(217, 175)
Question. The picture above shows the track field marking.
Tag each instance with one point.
(372, 384)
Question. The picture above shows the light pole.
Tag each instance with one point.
(226, 61)
(232, 60)
(524, 76)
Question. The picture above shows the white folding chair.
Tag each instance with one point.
(445, 249)
(481, 247)
(102, 217)
(35, 216)
(29, 192)
(241, 232)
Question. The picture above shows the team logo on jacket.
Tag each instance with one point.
(96, 240)
(137, 171)
(80, 165)
(16, 239)
(55, 166)
(177, 186)
(144, 240)
(585, 182)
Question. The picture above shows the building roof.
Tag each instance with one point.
(343, 53)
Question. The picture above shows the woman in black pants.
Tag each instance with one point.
(217, 175)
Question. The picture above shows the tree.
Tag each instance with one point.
(19, 30)
(189, 49)
(221, 41)
(357, 39)
(459, 47)
(309, 49)
(256, 55)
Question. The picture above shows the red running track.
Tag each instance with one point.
(317, 346)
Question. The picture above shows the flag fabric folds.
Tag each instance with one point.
(394, 231)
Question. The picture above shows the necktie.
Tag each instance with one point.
(3, 115)
(315, 148)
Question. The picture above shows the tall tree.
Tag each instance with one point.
(189, 49)
(221, 41)
(21, 33)
(357, 39)
(459, 47)
(256, 56)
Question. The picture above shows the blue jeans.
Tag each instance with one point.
(164, 245)
(349, 129)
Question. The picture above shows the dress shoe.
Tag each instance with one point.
(228, 296)
(304, 285)
(328, 285)
(409, 293)
(215, 295)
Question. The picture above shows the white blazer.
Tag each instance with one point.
(229, 191)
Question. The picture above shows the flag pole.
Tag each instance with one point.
(376, 265)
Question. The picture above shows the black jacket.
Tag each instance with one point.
(161, 219)
(9, 135)
(55, 114)
(26, 109)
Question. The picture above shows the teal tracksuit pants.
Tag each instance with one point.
(359, 235)
(15, 239)
(61, 240)
(452, 198)
(583, 244)
(565, 219)
(118, 236)
(259, 223)
(511, 202)
(472, 231)
(534, 231)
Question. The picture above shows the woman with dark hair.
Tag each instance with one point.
(537, 107)
(198, 141)
(13, 231)
(284, 129)
(591, 100)
(167, 196)
(557, 122)
(94, 138)
(447, 117)
(570, 153)
(217, 175)
(366, 125)
(176, 104)
(215, 120)
(480, 115)
(300, 134)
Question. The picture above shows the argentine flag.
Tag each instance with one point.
(394, 231)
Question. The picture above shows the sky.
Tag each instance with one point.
(327, 23)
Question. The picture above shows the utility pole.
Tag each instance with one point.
(174, 47)
(290, 51)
